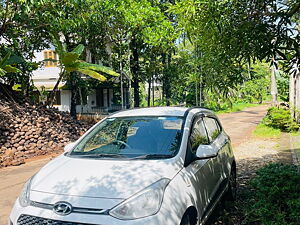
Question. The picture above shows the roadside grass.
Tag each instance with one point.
(264, 131)
(297, 133)
(236, 107)
(270, 197)
(276, 195)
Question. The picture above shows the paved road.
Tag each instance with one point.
(238, 125)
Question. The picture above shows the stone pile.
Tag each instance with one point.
(27, 131)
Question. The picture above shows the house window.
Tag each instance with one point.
(50, 54)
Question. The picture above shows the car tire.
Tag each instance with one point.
(232, 186)
(186, 220)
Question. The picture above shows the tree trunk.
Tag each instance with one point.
(201, 93)
(73, 112)
(292, 93)
(153, 90)
(297, 95)
(52, 93)
(122, 90)
(121, 80)
(274, 91)
(168, 85)
(72, 81)
(134, 66)
(166, 61)
(196, 87)
(149, 92)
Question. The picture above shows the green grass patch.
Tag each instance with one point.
(276, 197)
(297, 133)
(297, 148)
(297, 144)
(266, 132)
(236, 107)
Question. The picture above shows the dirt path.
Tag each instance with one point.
(12, 180)
(238, 125)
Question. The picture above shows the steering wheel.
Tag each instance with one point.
(121, 142)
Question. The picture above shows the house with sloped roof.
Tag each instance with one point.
(100, 100)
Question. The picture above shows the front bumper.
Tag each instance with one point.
(31, 215)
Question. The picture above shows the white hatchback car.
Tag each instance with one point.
(149, 166)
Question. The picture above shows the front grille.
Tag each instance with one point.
(34, 220)
(74, 209)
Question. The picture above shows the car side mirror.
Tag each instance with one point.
(206, 152)
(69, 147)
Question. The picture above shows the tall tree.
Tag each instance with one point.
(234, 33)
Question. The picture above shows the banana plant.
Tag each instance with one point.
(70, 62)
(6, 67)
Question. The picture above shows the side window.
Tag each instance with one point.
(213, 128)
(198, 135)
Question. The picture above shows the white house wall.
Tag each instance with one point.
(91, 99)
(45, 76)
(91, 102)
(65, 98)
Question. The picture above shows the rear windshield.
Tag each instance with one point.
(132, 137)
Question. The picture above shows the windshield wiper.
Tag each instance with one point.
(153, 156)
(102, 155)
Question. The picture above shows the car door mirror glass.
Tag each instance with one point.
(206, 152)
(69, 147)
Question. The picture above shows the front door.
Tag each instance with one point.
(203, 174)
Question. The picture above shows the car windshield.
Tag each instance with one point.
(132, 137)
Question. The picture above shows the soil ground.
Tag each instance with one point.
(251, 153)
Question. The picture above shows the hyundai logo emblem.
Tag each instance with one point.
(62, 208)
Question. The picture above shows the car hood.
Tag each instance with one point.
(101, 178)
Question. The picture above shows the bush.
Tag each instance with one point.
(277, 195)
(280, 118)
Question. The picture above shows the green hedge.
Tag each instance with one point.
(280, 118)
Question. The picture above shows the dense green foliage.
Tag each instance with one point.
(6, 67)
(277, 195)
(280, 118)
(200, 52)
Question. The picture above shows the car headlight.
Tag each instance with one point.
(145, 203)
(24, 197)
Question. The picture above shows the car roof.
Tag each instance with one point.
(157, 111)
